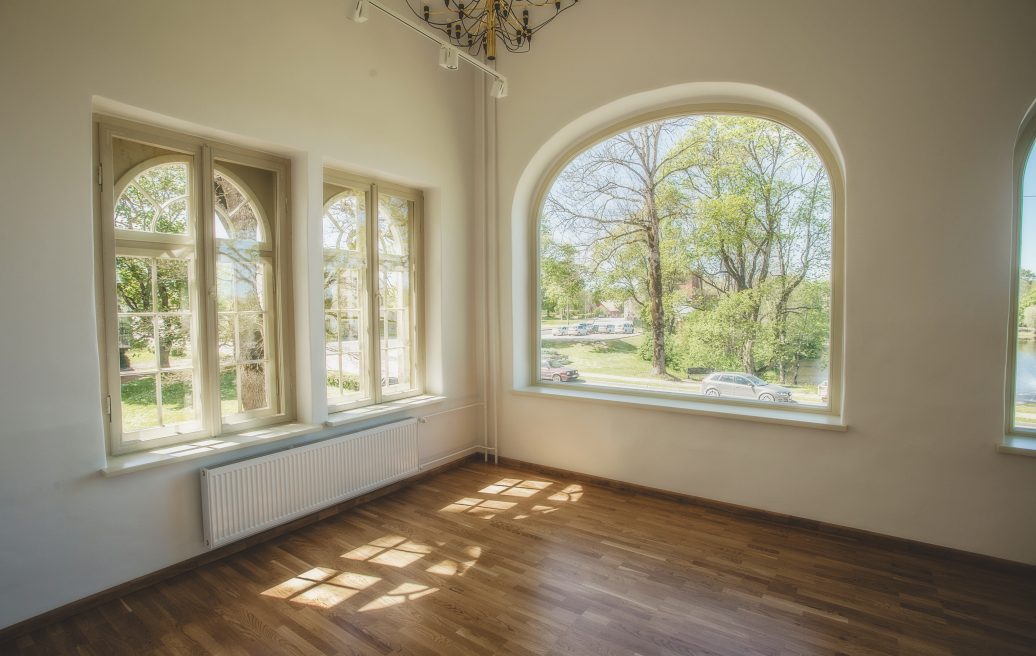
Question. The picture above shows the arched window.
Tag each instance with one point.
(1022, 378)
(154, 272)
(244, 289)
(369, 239)
(191, 316)
(691, 256)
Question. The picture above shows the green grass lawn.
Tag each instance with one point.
(139, 400)
(616, 357)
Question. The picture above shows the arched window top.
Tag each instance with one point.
(155, 197)
(237, 213)
(393, 225)
(344, 215)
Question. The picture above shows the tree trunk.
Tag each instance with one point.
(655, 301)
(747, 357)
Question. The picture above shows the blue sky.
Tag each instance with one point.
(1028, 259)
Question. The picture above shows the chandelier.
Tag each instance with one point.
(476, 25)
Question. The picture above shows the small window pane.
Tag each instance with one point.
(133, 280)
(237, 216)
(251, 331)
(156, 200)
(175, 342)
(343, 221)
(253, 386)
(178, 397)
(228, 391)
(139, 403)
(173, 285)
(137, 343)
(227, 332)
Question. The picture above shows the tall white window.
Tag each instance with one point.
(190, 267)
(1022, 404)
(370, 241)
(692, 256)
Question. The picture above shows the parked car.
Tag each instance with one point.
(579, 329)
(557, 372)
(822, 390)
(744, 386)
(559, 331)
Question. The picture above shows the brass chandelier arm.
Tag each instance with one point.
(478, 25)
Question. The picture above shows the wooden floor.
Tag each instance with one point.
(486, 560)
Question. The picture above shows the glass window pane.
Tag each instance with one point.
(685, 247)
(176, 346)
(173, 285)
(227, 337)
(1025, 349)
(394, 215)
(345, 297)
(254, 386)
(251, 331)
(133, 281)
(139, 403)
(228, 391)
(344, 216)
(137, 343)
(241, 279)
(237, 215)
(178, 405)
(244, 293)
(156, 200)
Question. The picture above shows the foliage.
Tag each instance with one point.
(717, 227)
(563, 281)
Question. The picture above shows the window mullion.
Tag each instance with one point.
(209, 339)
(374, 295)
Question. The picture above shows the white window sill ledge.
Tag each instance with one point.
(132, 462)
(380, 410)
(742, 412)
(1018, 446)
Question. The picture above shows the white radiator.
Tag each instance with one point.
(247, 497)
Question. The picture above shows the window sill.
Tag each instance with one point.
(132, 462)
(380, 410)
(803, 419)
(1018, 446)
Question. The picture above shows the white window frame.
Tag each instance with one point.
(1025, 146)
(699, 403)
(206, 157)
(372, 189)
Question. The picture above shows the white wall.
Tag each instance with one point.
(924, 99)
(294, 78)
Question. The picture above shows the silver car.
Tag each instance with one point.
(744, 386)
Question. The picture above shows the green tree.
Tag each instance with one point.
(611, 201)
(759, 201)
(563, 281)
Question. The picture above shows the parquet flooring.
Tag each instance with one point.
(488, 560)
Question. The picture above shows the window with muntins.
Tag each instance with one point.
(692, 257)
(187, 359)
(370, 239)
(1022, 404)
